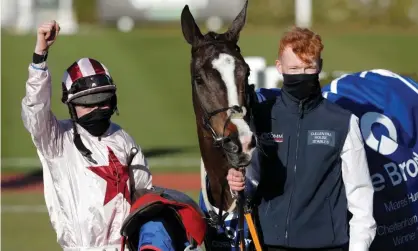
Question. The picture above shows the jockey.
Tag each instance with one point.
(91, 165)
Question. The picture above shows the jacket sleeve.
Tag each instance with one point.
(359, 189)
(141, 173)
(36, 112)
(139, 168)
(252, 176)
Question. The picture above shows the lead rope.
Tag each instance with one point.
(245, 214)
(220, 218)
(241, 203)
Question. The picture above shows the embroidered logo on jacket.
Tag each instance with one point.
(321, 137)
(272, 137)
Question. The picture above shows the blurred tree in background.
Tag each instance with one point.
(366, 12)
(399, 13)
(271, 12)
(85, 10)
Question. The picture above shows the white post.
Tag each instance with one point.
(272, 77)
(257, 66)
(66, 17)
(8, 13)
(303, 13)
(25, 17)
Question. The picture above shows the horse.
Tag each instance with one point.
(222, 107)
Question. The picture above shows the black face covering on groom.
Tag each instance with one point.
(302, 86)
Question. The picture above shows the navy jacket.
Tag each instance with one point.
(301, 196)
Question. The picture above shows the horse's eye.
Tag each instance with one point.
(198, 80)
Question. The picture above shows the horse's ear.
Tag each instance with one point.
(237, 24)
(191, 31)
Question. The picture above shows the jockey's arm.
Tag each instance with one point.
(139, 169)
(36, 111)
(141, 172)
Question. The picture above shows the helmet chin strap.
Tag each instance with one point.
(77, 138)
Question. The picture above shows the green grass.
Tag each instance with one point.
(152, 75)
(30, 231)
(26, 231)
(151, 71)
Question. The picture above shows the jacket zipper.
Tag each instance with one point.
(294, 170)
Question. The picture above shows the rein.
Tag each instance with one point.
(215, 219)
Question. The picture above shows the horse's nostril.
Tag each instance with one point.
(230, 146)
(234, 148)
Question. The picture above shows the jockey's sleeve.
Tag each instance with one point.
(36, 112)
(359, 189)
(139, 168)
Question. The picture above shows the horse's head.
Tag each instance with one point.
(219, 82)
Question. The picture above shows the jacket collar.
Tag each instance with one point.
(295, 105)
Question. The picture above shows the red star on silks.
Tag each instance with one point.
(115, 174)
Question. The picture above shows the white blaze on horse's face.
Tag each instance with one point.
(225, 65)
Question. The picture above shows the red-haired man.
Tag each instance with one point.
(311, 164)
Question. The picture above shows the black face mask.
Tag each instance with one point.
(96, 122)
(302, 86)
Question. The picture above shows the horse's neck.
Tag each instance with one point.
(216, 167)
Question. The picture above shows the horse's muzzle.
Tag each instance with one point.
(238, 151)
(239, 160)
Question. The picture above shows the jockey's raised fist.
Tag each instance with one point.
(46, 35)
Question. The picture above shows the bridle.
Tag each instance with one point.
(241, 112)
(235, 112)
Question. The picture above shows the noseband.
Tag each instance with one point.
(220, 140)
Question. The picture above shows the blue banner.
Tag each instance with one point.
(387, 105)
